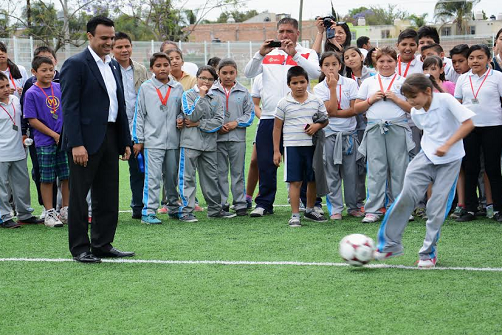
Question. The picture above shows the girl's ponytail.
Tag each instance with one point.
(418, 82)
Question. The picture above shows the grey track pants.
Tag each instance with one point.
(160, 165)
(231, 155)
(205, 162)
(420, 173)
(14, 178)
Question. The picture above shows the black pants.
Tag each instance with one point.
(101, 176)
(487, 140)
(136, 181)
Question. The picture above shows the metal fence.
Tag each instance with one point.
(20, 50)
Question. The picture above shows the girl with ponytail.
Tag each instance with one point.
(445, 122)
(17, 74)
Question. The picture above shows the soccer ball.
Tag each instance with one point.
(357, 249)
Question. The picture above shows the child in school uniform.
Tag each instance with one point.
(294, 122)
(239, 114)
(42, 108)
(154, 131)
(14, 178)
(340, 148)
(444, 122)
(203, 117)
(433, 66)
(387, 139)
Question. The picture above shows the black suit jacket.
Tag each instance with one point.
(85, 104)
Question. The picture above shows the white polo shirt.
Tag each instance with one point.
(11, 144)
(439, 123)
(416, 66)
(16, 83)
(111, 85)
(488, 110)
(449, 71)
(382, 110)
(347, 88)
(257, 88)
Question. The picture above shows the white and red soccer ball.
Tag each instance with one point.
(357, 249)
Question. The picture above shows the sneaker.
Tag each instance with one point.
(174, 216)
(63, 215)
(188, 218)
(318, 210)
(150, 219)
(197, 208)
(31, 220)
(258, 212)
(427, 263)
(355, 213)
(222, 215)
(420, 212)
(294, 222)
(52, 219)
(336, 216)
(136, 216)
(497, 217)
(10, 224)
(456, 213)
(314, 216)
(302, 207)
(370, 218)
(42, 216)
(465, 216)
(249, 202)
(163, 210)
(225, 207)
(411, 218)
(489, 211)
(481, 211)
(383, 210)
(242, 212)
(382, 256)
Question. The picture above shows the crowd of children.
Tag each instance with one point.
(389, 129)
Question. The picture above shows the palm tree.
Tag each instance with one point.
(458, 11)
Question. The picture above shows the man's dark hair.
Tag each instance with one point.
(288, 20)
(44, 48)
(407, 33)
(297, 71)
(97, 20)
(361, 41)
(428, 31)
(122, 36)
(435, 47)
(39, 60)
(460, 49)
(158, 55)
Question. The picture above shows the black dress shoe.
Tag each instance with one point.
(112, 253)
(87, 257)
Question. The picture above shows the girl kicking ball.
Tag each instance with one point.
(444, 122)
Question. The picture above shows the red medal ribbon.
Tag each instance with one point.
(399, 67)
(472, 87)
(163, 100)
(340, 99)
(390, 85)
(12, 80)
(54, 109)
(12, 118)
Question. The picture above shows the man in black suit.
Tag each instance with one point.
(95, 133)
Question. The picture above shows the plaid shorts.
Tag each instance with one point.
(53, 163)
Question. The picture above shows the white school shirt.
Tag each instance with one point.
(17, 82)
(439, 123)
(382, 110)
(416, 66)
(129, 91)
(296, 115)
(488, 111)
(111, 85)
(449, 71)
(11, 143)
(348, 89)
(257, 88)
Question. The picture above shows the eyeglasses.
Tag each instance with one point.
(206, 79)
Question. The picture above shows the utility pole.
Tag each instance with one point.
(301, 19)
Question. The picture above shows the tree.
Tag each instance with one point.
(418, 20)
(237, 15)
(458, 11)
(376, 15)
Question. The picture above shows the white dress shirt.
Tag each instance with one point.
(111, 85)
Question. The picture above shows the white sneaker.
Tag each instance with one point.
(411, 218)
(52, 220)
(370, 218)
(42, 216)
(257, 212)
(63, 215)
(427, 263)
(294, 222)
(318, 210)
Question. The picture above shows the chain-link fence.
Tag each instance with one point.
(21, 50)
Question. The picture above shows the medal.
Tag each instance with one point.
(388, 88)
(475, 101)
(163, 108)
(15, 127)
(163, 100)
(55, 116)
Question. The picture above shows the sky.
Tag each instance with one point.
(313, 8)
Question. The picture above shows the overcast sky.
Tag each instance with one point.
(313, 8)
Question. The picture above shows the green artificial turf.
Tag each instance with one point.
(111, 298)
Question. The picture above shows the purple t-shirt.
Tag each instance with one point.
(39, 106)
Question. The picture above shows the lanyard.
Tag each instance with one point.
(12, 118)
(390, 85)
(399, 67)
(340, 99)
(12, 80)
(50, 102)
(227, 96)
(358, 80)
(163, 100)
(472, 87)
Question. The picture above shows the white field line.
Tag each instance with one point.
(278, 263)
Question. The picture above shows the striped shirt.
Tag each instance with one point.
(296, 115)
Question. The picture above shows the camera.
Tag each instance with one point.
(275, 44)
(328, 21)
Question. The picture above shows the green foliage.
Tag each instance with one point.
(418, 20)
(237, 15)
(376, 15)
(457, 11)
